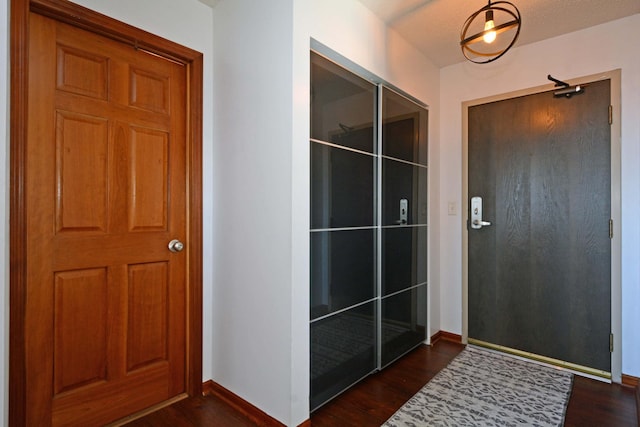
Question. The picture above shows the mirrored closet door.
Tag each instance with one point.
(368, 227)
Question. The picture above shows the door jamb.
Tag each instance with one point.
(70, 13)
(616, 207)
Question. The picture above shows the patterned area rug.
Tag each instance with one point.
(484, 388)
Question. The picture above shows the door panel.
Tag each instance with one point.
(148, 161)
(540, 275)
(81, 140)
(78, 297)
(147, 315)
(106, 192)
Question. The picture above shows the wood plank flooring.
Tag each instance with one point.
(372, 401)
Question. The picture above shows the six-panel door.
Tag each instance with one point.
(106, 187)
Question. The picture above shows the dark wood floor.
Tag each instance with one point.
(374, 400)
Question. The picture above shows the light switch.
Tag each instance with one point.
(452, 209)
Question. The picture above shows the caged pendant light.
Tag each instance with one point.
(491, 39)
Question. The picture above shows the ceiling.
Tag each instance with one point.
(433, 26)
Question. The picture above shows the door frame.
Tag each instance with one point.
(616, 209)
(70, 13)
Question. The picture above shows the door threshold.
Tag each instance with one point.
(147, 411)
(583, 371)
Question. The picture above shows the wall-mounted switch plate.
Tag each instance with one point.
(452, 208)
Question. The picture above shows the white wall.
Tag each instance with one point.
(300, 215)
(253, 303)
(591, 51)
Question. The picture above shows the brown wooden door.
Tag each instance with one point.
(106, 192)
(540, 274)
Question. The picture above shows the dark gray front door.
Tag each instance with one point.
(540, 274)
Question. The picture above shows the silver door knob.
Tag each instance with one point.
(176, 245)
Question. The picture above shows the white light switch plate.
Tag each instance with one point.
(452, 209)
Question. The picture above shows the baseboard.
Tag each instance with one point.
(258, 417)
(630, 380)
(638, 402)
(207, 388)
(446, 336)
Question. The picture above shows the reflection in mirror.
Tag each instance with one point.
(404, 322)
(404, 258)
(404, 128)
(342, 106)
(342, 188)
(342, 269)
(402, 181)
(342, 351)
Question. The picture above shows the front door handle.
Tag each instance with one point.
(476, 214)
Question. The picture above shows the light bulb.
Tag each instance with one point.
(489, 25)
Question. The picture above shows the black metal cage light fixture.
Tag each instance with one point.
(479, 39)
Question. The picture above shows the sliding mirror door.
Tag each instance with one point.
(404, 225)
(343, 230)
